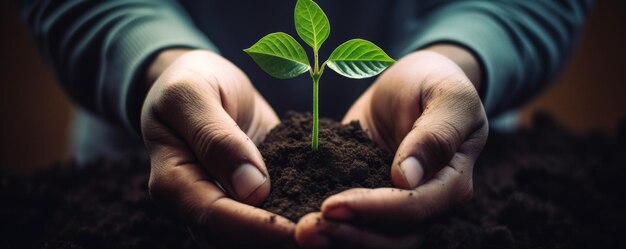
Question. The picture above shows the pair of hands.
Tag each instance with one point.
(202, 117)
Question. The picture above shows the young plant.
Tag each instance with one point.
(281, 56)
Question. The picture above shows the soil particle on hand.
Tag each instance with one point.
(272, 219)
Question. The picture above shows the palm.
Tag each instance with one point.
(427, 111)
(198, 123)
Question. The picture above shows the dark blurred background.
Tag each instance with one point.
(35, 115)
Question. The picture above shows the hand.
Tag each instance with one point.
(427, 110)
(200, 121)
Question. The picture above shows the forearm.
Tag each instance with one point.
(520, 45)
(99, 49)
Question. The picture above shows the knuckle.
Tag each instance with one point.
(183, 103)
(458, 88)
(459, 93)
(185, 88)
(445, 132)
(176, 86)
(162, 188)
(462, 190)
(476, 142)
(173, 98)
(164, 191)
(441, 142)
(158, 189)
(178, 91)
(465, 97)
(195, 212)
(213, 139)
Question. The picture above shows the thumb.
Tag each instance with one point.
(207, 115)
(448, 119)
(231, 158)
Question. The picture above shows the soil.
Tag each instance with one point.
(537, 188)
(301, 178)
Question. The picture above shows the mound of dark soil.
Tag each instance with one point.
(301, 178)
(539, 188)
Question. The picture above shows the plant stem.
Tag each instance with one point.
(316, 80)
(314, 136)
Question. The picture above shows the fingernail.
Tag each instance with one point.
(338, 213)
(246, 179)
(412, 171)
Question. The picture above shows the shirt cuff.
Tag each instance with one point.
(126, 53)
(482, 35)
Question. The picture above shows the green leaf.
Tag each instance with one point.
(311, 23)
(359, 59)
(279, 55)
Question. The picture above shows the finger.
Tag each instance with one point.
(390, 206)
(178, 183)
(359, 111)
(309, 235)
(204, 115)
(313, 231)
(451, 114)
(449, 187)
(263, 121)
(232, 224)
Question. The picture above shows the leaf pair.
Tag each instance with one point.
(281, 56)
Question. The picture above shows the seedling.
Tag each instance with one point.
(281, 56)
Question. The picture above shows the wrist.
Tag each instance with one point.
(148, 76)
(160, 62)
(155, 68)
(465, 59)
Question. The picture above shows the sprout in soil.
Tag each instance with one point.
(281, 56)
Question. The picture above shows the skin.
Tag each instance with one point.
(202, 117)
(438, 119)
(200, 120)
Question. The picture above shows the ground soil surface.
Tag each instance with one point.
(537, 188)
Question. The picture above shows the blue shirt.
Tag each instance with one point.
(98, 48)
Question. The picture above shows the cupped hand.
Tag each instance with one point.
(426, 109)
(200, 121)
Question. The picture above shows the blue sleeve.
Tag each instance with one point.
(98, 48)
(521, 45)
